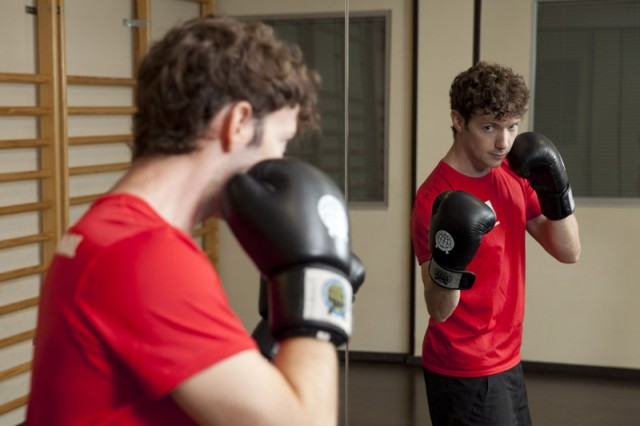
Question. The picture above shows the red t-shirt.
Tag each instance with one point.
(484, 334)
(131, 307)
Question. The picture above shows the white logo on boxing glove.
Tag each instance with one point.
(334, 216)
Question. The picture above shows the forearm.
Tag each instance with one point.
(566, 238)
(441, 302)
(310, 367)
(298, 388)
(560, 238)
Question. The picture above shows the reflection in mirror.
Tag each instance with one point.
(322, 42)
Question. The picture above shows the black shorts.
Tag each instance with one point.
(497, 400)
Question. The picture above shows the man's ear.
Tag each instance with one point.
(237, 129)
(457, 120)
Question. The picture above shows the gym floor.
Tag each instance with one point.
(392, 394)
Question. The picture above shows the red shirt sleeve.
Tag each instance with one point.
(420, 217)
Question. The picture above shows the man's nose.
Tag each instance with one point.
(502, 141)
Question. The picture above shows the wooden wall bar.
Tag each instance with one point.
(52, 174)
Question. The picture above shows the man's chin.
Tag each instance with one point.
(496, 162)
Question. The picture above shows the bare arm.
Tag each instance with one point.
(560, 238)
(300, 387)
(441, 302)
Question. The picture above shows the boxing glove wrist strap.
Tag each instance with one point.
(450, 279)
(310, 301)
(557, 206)
(267, 344)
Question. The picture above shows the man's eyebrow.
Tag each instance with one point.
(495, 122)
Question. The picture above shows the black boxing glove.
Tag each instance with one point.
(261, 334)
(291, 219)
(534, 157)
(357, 273)
(459, 220)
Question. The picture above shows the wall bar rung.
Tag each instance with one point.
(28, 111)
(17, 338)
(100, 81)
(24, 208)
(100, 168)
(18, 306)
(13, 404)
(22, 272)
(28, 239)
(93, 140)
(18, 176)
(24, 143)
(123, 110)
(24, 78)
(14, 371)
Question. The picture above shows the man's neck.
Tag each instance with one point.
(170, 185)
(460, 162)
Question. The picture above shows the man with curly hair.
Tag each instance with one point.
(134, 325)
(468, 228)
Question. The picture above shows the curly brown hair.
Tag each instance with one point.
(491, 89)
(207, 63)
